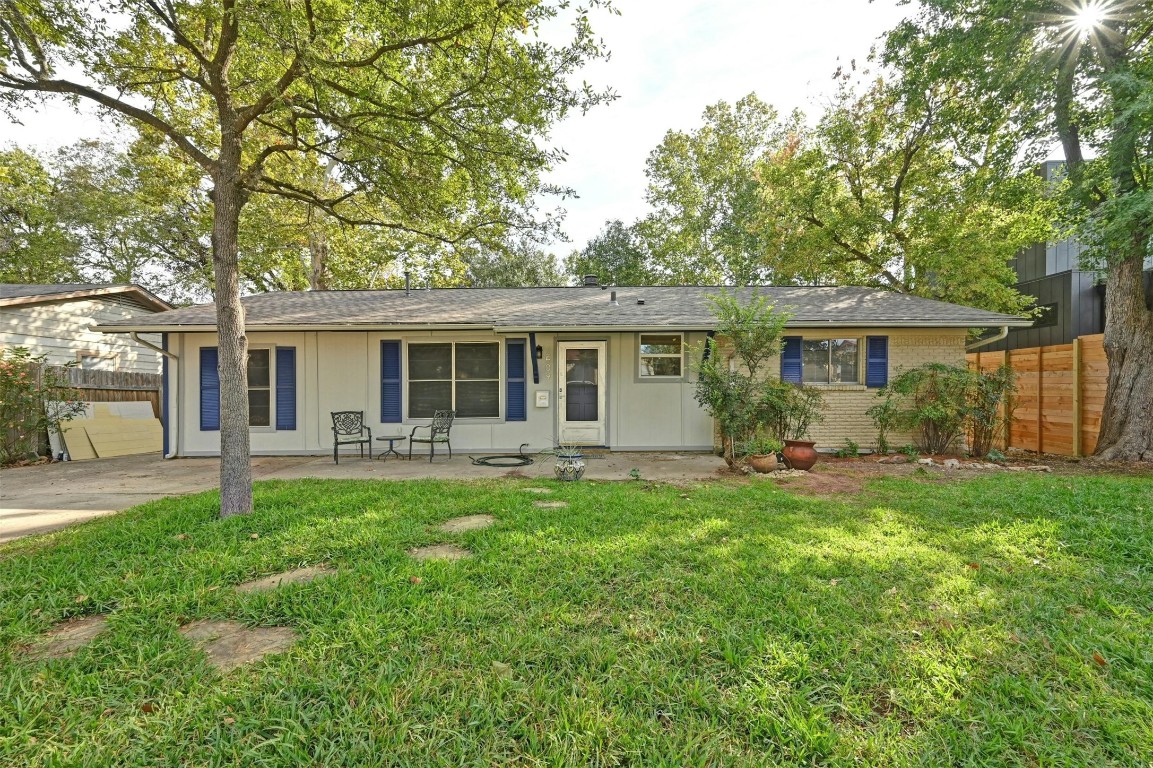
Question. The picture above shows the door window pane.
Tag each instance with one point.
(581, 390)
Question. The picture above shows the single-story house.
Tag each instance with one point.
(56, 320)
(591, 365)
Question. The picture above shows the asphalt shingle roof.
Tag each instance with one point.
(683, 307)
(14, 291)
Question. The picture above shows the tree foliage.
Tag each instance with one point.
(617, 255)
(34, 246)
(703, 189)
(1040, 68)
(882, 192)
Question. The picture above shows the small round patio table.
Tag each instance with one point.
(392, 441)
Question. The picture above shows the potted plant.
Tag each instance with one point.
(760, 453)
(794, 409)
(570, 462)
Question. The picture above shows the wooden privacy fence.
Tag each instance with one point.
(116, 386)
(1060, 395)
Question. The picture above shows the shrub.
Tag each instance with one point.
(34, 398)
(759, 446)
(939, 403)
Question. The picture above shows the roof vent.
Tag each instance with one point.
(613, 299)
(640, 301)
(591, 281)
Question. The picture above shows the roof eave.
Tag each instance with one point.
(546, 328)
(145, 296)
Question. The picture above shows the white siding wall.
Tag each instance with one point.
(341, 371)
(60, 329)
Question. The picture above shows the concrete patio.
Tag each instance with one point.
(46, 497)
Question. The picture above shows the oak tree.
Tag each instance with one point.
(430, 116)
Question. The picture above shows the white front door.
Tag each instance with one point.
(580, 396)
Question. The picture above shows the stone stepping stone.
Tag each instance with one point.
(440, 552)
(550, 504)
(229, 644)
(541, 491)
(467, 523)
(297, 576)
(66, 638)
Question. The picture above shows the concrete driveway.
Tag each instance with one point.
(46, 497)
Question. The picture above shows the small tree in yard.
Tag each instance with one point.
(34, 398)
(743, 400)
(940, 403)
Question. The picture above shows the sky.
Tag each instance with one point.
(670, 59)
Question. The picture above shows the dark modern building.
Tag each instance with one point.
(1070, 297)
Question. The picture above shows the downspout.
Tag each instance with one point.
(164, 407)
(1004, 332)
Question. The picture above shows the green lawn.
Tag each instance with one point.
(1006, 620)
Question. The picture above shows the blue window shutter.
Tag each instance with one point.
(791, 360)
(515, 407)
(876, 361)
(209, 390)
(390, 384)
(286, 388)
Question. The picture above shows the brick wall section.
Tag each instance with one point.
(845, 405)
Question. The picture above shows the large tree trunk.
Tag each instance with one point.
(235, 466)
(1127, 419)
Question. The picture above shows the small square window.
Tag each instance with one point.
(661, 355)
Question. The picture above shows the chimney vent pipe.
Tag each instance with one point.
(591, 281)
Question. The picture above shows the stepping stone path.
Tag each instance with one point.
(66, 638)
(550, 504)
(541, 491)
(298, 576)
(467, 523)
(229, 644)
(440, 552)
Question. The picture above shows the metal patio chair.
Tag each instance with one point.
(437, 433)
(348, 429)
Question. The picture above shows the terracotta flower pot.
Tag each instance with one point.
(762, 462)
(800, 454)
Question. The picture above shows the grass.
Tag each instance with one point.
(998, 621)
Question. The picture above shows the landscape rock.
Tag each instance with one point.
(66, 638)
(467, 523)
(1031, 468)
(952, 464)
(297, 576)
(440, 552)
(230, 644)
(896, 458)
(927, 462)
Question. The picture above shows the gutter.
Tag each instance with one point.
(1004, 332)
(164, 390)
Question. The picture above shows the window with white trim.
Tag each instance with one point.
(662, 355)
(454, 376)
(831, 361)
(259, 387)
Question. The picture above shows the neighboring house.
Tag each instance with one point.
(57, 320)
(531, 365)
(1070, 299)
